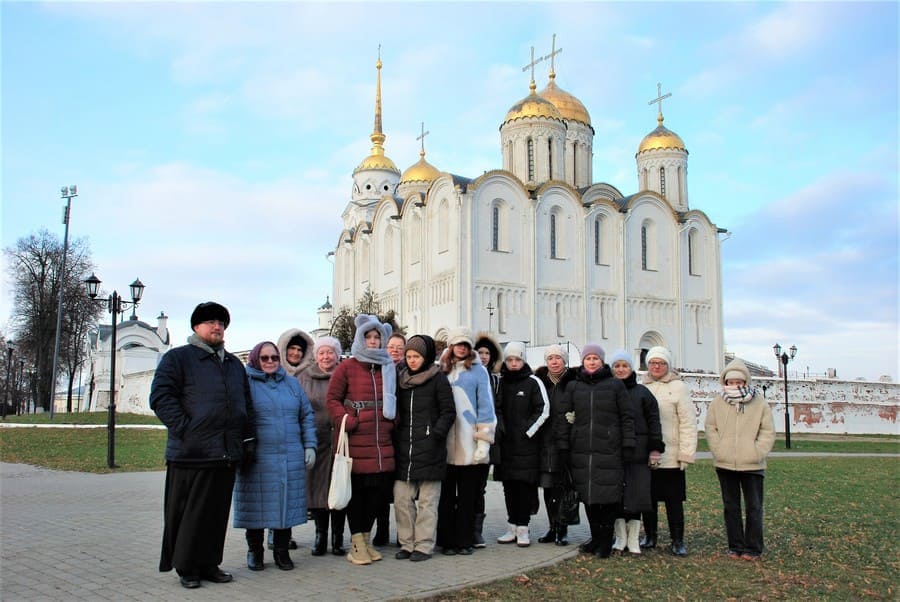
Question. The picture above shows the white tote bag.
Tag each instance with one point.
(340, 490)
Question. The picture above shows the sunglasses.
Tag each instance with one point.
(269, 358)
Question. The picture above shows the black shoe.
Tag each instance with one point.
(189, 581)
(418, 556)
(648, 541)
(403, 555)
(217, 576)
(549, 537)
(292, 545)
(255, 560)
(588, 547)
(337, 542)
(678, 548)
(562, 538)
(283, 560)
(449, 552)
(320, 544)
(466, 551)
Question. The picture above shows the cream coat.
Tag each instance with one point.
(740, 440)
(677, 418)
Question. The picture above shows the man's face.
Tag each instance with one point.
(211, 332)
(294, 355)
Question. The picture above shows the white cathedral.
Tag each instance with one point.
(536, 251)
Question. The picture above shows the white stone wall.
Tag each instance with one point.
(816, 405)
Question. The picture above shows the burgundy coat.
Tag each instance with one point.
(370, 433)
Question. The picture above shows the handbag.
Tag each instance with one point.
(340, 488)
(569, 504)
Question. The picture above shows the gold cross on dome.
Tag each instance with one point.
(659, 97)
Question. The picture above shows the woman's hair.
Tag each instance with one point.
(449, 359)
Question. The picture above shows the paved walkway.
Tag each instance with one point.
(71, 535)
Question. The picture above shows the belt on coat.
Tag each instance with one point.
(360, 405)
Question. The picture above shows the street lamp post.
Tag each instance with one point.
(490, 309)
(785, 358)
(10, 347)
(115, 305)
(68, 193)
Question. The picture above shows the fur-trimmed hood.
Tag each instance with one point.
(308, 357)
(486, 339)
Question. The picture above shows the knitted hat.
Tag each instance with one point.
(556, 350)
(620, 355)
(424, 346)
(660, 353)
(514, 349)
(734, 375)
(210, 310)
(328, 342)
(299, 341)
(460, 335)
(593, 349)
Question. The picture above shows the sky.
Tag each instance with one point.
(213, 143)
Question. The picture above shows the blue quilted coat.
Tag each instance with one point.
(272, 492)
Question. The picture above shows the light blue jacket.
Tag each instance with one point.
(272, 492)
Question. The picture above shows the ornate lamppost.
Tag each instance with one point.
(785, 358)
(115, 306)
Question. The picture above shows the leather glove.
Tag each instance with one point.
(248, 455)
(482, 448)
(628, 454)
(309, 456)
(570, 417)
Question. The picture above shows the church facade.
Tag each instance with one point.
(536, 250)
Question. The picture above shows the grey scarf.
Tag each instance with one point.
(218, 350)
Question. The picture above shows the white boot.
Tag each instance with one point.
(509, 536)
(633, 529)
(522, 539)
(621, 537)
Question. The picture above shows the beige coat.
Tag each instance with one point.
(740, 440)
(677, 417)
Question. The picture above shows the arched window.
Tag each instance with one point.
(388, 250)
(495, 228)
(644, 247)
(693, 259)
(598, 241)
(553, 235)
(662, 181)
(530, 160)
(416, 242)
(501, 313)
(443, 227)
(550, 158)
(559, 320)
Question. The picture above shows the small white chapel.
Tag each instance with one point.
(537, 250)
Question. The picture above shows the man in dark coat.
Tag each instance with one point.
(201, 393)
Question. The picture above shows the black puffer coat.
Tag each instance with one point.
(524, 408)
(647, 428)
(205, 404)
(602, 433)
(425, 414)
(549, 453)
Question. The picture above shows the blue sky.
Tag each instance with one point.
(213, 142)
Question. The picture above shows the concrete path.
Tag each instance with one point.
(70, 535)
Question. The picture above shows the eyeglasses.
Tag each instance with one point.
(653, 363)
(269, 358)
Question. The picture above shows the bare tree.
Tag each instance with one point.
(34, 268)
(343, 328)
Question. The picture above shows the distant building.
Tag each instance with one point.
(537, 250)
(139, 348)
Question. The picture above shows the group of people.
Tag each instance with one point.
(423, 430)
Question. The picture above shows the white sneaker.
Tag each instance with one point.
(522, 539)
(509, 536)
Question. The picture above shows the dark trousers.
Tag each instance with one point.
(281, 538)
(456, 510)
(552, 497)
(370, 493)
(195, 518)
(518, 496)
(742, 537)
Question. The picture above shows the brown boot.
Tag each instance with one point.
(372, 552)
(357, 553)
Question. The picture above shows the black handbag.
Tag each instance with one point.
(569, 501)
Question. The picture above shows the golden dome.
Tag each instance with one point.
(533, 106)
(569, 107)
(422, 171)
(661, 138)
(377, 161)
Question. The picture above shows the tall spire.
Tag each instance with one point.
(378, 136)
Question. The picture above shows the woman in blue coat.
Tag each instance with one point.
(271, 493)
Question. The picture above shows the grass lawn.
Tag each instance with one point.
(830, 528)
